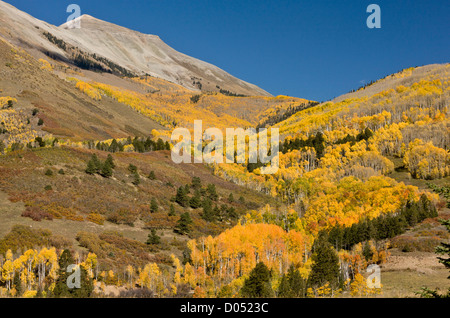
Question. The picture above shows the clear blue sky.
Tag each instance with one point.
(315, 49)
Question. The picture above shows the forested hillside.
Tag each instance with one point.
(86, 178)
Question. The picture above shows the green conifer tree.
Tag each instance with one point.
(257, 285)
(325, 266)
(153, 238)
(153, 206)
(172, 210)
(183, 225)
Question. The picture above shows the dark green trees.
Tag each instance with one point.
(195, 99)
(90, 169)
(384, 226)
(67, 282)
(181, 197)
(40, 142)
(172, 210)
(107, 170)
(153, 206)
(257, 285)
(208, 212)
(211, 191)
(135, 174)
(325, 268)
(196, 201)
(183, 225)
(110, 161)
(196, 183)
(153, 238)
(292, 284)
(95, 166)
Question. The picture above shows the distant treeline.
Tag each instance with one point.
(280, 115)
(228, 93)
(318, 142)
(91, 62)
(140, 145)
(382, 227)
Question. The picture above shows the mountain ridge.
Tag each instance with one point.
(136, 51)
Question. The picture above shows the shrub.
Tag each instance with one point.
(411, 244)
(23, 237)
(122, 217)
(49, 172)
(195, 99)
(36, 214)
(96, 218)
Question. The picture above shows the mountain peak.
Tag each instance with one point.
(138, 52)
(85, 18)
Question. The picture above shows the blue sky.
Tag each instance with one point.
(315, 49)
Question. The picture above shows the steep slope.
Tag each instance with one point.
(396, 94)
(137, 52)
(64, 110)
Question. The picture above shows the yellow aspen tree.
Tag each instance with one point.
(8, 273)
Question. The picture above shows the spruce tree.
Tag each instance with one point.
(181, 197)
(61, 289)
(94, 165)
(172, 210)
(90, 169)
(110, 161)
(257, 285)
(196, 183)
(160, 145)
(367, 252)
(107, 169)
(208, 213)
(153, 206)
(211, 191)
(196, 200)
(292, 284)
(325, 266)
(153, 238)
(114, 147)
(151, 175)
(183, 225)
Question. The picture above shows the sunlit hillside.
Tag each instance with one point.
(87, 178)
